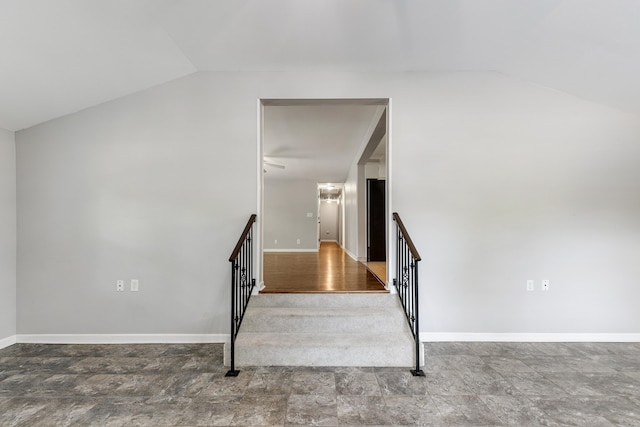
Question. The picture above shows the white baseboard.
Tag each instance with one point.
(290, 250)
(122, 338)
(224, 338)
(6, 342)
(331, 241)
(353, 257)
(527, 337)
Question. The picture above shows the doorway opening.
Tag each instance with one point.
(376, 209)
(315, 157)
(330, 213)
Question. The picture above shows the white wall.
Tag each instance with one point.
(329, 220)
(497, 181)
(372, 170)
(287, 204)
(341, 219)
(351, 220)
(156, 186)
(7, 236)
(510, 182)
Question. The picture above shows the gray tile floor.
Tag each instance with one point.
(466, 384)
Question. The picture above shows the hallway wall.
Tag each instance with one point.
(329, 221)
(7, 235)
(498, 182)
(287, 204)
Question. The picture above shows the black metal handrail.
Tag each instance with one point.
(242, 284)
(406, 283)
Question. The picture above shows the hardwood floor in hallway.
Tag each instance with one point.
(329, 270)
(379, 269)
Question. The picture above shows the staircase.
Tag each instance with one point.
(324, 330)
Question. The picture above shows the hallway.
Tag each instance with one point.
(329, 270)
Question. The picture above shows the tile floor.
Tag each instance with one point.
(466, 384)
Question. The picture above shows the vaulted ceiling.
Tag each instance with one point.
(60, 56)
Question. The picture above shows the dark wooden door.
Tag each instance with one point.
(376, 220)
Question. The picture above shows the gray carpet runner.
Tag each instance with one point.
(324, 330)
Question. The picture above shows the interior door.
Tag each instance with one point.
(376, 221)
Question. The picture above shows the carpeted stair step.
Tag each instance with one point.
(324, 330)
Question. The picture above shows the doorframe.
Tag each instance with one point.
(259, 237)
(368, 148)
(385, 104)
(318, 217)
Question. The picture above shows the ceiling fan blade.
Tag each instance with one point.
(274, 165)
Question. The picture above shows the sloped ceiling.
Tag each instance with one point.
(60, 56)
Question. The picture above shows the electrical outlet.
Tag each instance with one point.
(275, 241)
(135, 285)
(298, 241)
(120, 285)
(545, 285)
(530, 286)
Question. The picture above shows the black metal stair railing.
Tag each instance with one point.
(242, 284)
(406, 284)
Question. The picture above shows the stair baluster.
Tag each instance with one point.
(242, 284)
(406, 283)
